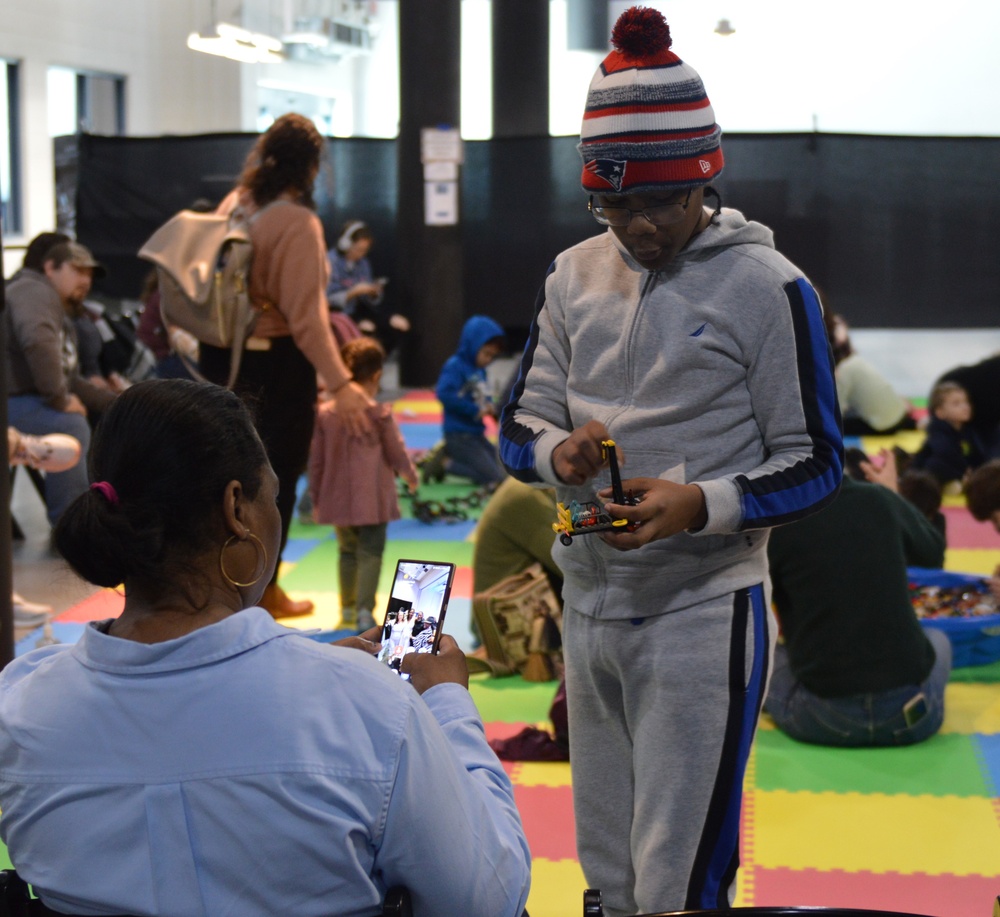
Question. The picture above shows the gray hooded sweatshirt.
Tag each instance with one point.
(714, 370)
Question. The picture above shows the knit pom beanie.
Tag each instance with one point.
(648, 125)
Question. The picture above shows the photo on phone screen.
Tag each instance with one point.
(415, 613)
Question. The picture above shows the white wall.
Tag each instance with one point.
(912, 360)
(855, 66)
(169, 88)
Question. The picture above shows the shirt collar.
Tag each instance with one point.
(229, 637)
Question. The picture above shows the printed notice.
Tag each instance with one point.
(440, 203)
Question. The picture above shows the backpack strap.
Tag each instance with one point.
(240, 340)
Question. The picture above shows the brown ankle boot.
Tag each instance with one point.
(277, 602)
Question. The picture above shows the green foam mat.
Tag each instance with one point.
(977, 673)
(449, 488)
(512, 699)
(944, 765)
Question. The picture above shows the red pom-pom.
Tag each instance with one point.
(641, 32)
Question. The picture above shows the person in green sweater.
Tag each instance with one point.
(515, 531)
(855, 667)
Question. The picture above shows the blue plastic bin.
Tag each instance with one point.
(974, 641)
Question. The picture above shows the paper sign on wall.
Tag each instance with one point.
(440, 203)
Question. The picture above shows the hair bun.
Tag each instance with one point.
(641, 32)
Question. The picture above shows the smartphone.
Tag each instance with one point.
(414, 616)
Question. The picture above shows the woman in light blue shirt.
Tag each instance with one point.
(193, 756)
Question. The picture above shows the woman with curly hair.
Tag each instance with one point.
(292, 340)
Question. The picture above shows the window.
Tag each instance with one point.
(84, 101)
(10, 166)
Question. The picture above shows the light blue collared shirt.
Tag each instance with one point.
(245, 770)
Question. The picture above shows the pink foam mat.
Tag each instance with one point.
(915, 893)
(966, 532)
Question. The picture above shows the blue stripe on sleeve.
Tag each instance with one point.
(794, 492)
(517, 442)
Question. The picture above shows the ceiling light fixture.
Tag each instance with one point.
(236, 43)
(724, 27)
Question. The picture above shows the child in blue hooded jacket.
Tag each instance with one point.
(465, 397)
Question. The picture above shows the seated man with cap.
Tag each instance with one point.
(46, 393)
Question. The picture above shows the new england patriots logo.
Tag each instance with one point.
(611, 170)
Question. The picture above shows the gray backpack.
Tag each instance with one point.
(203, 268)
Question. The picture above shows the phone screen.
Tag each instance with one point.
(415, 613)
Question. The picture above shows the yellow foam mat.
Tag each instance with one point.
(542, 773)
(972, 707)
(876, 832)
(557, 888)
(910, 440)
(971, 560)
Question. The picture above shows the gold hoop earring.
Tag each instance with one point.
(258, 544)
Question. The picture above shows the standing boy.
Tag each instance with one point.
(684, 335)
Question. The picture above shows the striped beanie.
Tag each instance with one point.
(648, 125)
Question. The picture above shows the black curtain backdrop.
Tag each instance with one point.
(900, 232)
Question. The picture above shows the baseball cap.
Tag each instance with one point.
(76, 254)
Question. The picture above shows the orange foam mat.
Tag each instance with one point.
(105, 603)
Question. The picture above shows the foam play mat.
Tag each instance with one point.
(913, 829)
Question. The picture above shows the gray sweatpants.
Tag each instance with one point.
(662, 713)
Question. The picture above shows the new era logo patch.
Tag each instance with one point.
(705, 165)
(611, 170)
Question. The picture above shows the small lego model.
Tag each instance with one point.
(590, 518)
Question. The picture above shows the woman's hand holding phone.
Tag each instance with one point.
(447, 666)
(367, 642)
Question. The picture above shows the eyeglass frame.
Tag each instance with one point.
(643, 212)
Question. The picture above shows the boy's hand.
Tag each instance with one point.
(577, 459)
(448, 666)
(666, 508)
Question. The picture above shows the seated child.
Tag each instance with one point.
(982, 495)
(466, 400)
(352, 483)
(952, 448)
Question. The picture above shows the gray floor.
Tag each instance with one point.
(40, 575)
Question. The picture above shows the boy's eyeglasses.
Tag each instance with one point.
(660, 215)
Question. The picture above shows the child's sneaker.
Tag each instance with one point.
(365, 620)
(53, 452)
(348, 618)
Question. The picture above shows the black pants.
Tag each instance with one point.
(279, 387)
